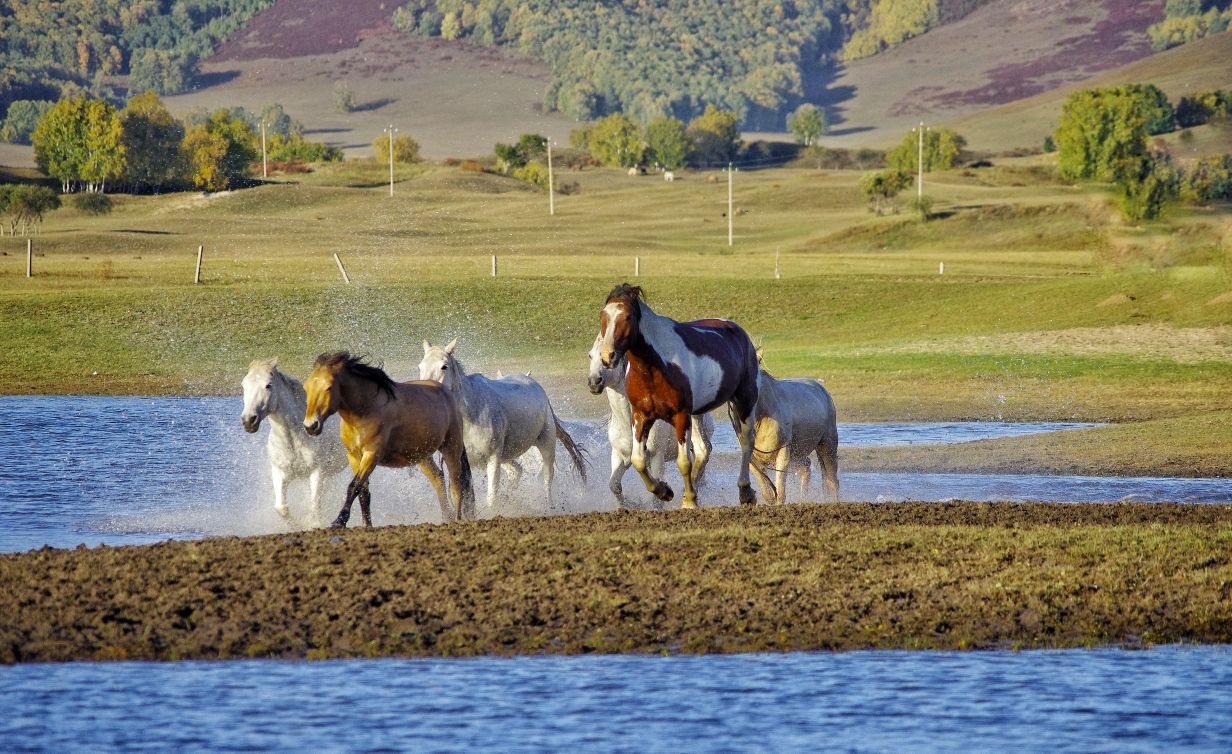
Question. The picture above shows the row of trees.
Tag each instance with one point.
(88, 143)
(1187, 20)
(1103, 134)
(53, 49)
(23, 206)
(712, 138)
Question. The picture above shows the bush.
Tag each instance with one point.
(533, 172)
(1146, 184)
(93, 203)
(1210, 180)
(568, 188)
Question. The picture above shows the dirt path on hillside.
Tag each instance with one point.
(797, 577)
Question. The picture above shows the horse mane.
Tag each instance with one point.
(626, 292)
(357, 366)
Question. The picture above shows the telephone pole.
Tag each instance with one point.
(551, 183)
(729, 204)
(391, 131)
(919, 162)
(264, 159)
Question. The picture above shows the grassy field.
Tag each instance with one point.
(1050, 307)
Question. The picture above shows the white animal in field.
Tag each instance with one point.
(502, 419)
(270, 394)
(632, 172)
(794, 419)
(662, 439)
(669, 176)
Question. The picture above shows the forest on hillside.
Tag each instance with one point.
(674, 57)
(55, 48)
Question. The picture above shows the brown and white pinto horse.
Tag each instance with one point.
(675, 371)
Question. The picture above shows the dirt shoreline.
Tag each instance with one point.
(798, 577)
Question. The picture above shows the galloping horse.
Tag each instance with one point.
(502, 418)
(795, 418)
(387, 423)
(675, 371)
(661, 438)
(268, 393)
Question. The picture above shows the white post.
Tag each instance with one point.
(551, 183)
(941, 268)
(264, 159)
(729, 204)
(197, 276)
(493, 265)
(391, 131)
(29, 258)
(637, 266)
(919, 163)
(345, 277)
(777, 274)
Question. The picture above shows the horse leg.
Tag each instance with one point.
(314, 494)
(437, 479)
(684, 460)
(641, 430)
(362, 465)
(767, 487)
(547, 452)
(781, 460)
(280, 492)
(454, 456)
(827, 456)
(365, 504)
(515, 472)
(806, 476)
(620, 464)
(701, 450)
(744, 433)
(493, 481)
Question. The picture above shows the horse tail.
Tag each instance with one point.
(575, 451)
(466, 487)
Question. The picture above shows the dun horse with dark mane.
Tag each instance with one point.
(675, 371)
(387, 423)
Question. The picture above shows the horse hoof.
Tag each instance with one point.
(284, 511)
(688, 504)
(338, 525)
(747, 496)
(664, 493)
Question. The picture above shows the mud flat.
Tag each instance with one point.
(799, 577)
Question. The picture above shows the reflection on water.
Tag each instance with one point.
(131, 470)
(1165, 699)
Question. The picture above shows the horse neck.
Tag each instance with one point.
(357, 396)
(653, 330)
(287, 412)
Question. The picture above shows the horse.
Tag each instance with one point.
(387, 423)
(677, 370)
(502, 418)
(270, 394)
(795, 417)
(620, 429)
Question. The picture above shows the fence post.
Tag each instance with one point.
(29, 258)
(197, 276)
(637, 267)
(777, 272)
(345, 277)
(941, 268)
(493, 265)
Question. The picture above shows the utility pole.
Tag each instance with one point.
(919, 162)
(551, 183)
(729, 204)
(391, 131)
(264, 159)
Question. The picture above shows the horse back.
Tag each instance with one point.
(728, 344)
(418, 423)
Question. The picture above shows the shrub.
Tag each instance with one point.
(533, 172)
(93, 203)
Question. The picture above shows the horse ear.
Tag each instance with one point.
(427, 346)
(761, 352)
(274, 363)
(452, 345)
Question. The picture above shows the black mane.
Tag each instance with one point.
(627, 292)
(358, 366)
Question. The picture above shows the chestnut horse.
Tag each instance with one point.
(675, 371)
(387, 423)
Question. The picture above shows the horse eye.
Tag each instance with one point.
(269, 386)
(444, 367)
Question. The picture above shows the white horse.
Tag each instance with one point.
(662, 439)
(669, 176)
(268, 393)
(795, 417)
(502, 419)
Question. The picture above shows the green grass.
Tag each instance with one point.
(112, 308)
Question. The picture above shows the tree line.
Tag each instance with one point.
(89, 144)
(1187, 20)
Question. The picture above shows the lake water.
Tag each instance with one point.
(91, 470)
(1170, 699)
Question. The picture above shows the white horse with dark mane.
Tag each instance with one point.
(502, 419)
(795, 418)
(662, 438)
(270, 394)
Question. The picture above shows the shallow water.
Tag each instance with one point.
(90, 470)
(1164, 699)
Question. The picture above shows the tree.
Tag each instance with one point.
(93, 204)
(26, 204)
(218, 153)
(21, 119)
(1210, 179)
(406, 149)
(1197, 109)
(807, 123)
(344, 100)
(160, 71)
(1151, 101)
(513, 156)
(882, 187)
(616, 141)
(278, 122)
(942, 148)
(1098, 129)
(714, 136)
(668, 142)
(1146, 184)
(151, 138)
(79, 141)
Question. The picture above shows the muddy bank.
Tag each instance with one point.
(721, 580)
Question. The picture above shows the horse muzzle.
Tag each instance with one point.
(595, 383)
(251, 423)
(313, 428)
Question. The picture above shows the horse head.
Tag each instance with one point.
(259, 396)
(600, 376)
(321, 386)
(619, 324)
(439, 364)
